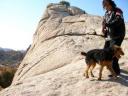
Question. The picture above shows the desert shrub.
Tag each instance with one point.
(65, 3)
(6, 76)
(1, 88)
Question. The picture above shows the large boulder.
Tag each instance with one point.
(53, 65)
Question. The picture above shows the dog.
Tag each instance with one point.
(103, 57)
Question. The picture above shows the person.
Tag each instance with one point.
(113, 28)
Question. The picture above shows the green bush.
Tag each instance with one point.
(6, 76)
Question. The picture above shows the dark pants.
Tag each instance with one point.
(115, 64)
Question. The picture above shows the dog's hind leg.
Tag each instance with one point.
(92, 67)
(100, 73)
(86, 71)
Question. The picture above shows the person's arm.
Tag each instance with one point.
(104, 30)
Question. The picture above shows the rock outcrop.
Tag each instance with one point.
(53, 65)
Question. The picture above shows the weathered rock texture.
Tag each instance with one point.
(53, 65)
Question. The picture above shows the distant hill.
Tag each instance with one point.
(10, 57)
(5, 49)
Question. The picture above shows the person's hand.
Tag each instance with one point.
(107, 24)
(104, 31)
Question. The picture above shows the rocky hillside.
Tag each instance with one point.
(53, 65)
(9, 57)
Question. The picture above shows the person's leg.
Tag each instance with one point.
(115, 64)
(107, 44)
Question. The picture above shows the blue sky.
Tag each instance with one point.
(19, 18)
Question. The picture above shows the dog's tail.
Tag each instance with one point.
(83, 53)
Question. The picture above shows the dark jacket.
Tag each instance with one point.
(113, 24)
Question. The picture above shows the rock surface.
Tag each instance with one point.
(53, 65)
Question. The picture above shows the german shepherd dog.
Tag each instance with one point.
(103, 57)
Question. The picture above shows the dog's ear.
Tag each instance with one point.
(116, 47)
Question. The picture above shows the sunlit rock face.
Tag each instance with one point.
(53, 65)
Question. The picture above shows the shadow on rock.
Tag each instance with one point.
(122, 79)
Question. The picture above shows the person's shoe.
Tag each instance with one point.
(112, 75)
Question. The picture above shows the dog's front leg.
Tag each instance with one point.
(100, 73)
(112, 71)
